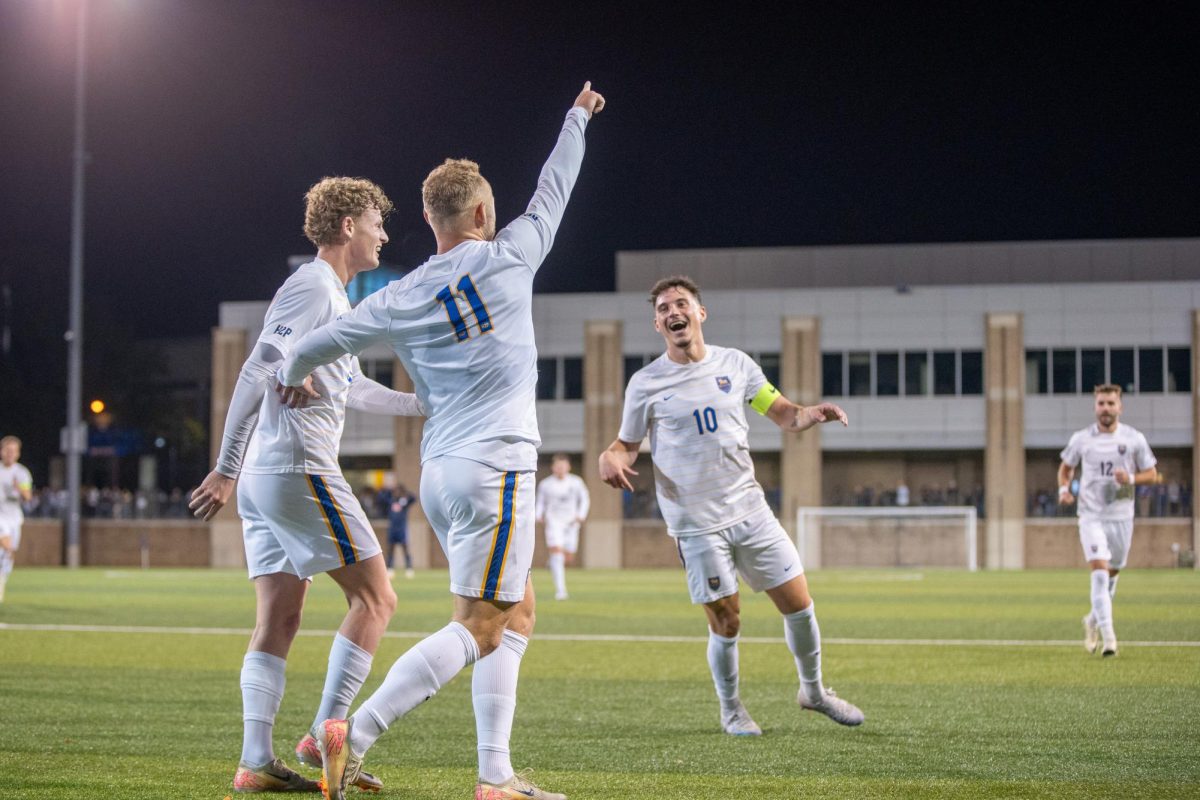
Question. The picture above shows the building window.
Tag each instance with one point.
(916, 374)
(1063, 369)
(1037, 365)
(972, 372)
(1150, 369)
(944, 381)
(859, 375)
(632, 365)
(770, 367)
(831, 374)
(887, 374)
(547, 384)
(1179, 369)
(1091, 370)
(572, 378)
(1120, 368)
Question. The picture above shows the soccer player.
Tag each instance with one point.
(398, 510)
(16, 487)
(692, 401)
(299, 516)
(1114, 459)
(562, 506)
(462, 325)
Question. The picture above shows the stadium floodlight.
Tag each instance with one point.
(888, 536)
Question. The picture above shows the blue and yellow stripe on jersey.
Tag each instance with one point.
(501, 537)
(334, 519)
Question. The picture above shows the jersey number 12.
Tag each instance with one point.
(467, 289)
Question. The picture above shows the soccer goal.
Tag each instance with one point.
(913, 536)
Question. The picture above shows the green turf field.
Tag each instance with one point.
(115, 713)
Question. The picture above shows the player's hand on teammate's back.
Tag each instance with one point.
(211, 495)
(589, 101)
(296, 396)
(827, 412)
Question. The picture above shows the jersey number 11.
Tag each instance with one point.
(467, 289)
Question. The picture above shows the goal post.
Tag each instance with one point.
(888, 536)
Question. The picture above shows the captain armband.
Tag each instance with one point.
(765, 397)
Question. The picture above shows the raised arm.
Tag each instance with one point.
(253, 381)
(616, 464)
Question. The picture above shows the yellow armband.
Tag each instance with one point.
(765, 397)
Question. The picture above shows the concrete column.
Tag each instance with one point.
(800, 455)
(229, 350)
(1004, 458)
(603, 396)
(406, 466)
(1195, 434)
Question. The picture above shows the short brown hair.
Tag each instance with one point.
(1107, 388)
(331, 200)
(561, 457)
(451, 188)
(10, 440)
(674, 282)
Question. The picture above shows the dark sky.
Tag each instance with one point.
(802, 123)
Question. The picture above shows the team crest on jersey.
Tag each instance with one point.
(714, 583)
(724, 384)
(1121, 449)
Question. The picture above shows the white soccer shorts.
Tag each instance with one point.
(563, 535)
(302, 524)
(484, 520)
(1106, 540)
(12, 529)
(757, 548)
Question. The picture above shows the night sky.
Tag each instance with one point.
(813, 123)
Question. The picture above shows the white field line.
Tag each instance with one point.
(586, 637)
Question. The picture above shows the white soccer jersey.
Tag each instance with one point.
(304, 440)
(695, 415)
(462, 325)
(561, 501)
(12, 479)
(1102, 454)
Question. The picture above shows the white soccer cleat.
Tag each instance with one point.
(1091, 634)
(561, 596)
(833, 707)
(736, 721)
(518, 787)
(1110, 641)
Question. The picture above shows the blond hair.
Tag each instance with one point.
(331, 200)
(10, 440)
(674, 282)
(1107, 388)
(451, 189)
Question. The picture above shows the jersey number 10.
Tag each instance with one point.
(467, 289)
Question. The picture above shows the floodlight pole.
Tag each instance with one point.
(74, 334)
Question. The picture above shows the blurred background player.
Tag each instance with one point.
(462, 324)
(692, 401)
(299, 516)
(1113, 458)
(402, 500)
(562, 506)
(16, 487)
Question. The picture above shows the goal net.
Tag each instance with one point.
(912, 536)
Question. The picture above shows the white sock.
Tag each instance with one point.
(558, 571)
(262, 689)
(1112, 586)
(494, 695)
(414, 678)
(349, 666)
(1101, 601)
(723, 663)
(804, 640)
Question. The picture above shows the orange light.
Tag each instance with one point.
(97, 406)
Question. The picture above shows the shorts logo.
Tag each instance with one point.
(724, 384)
(1121, 449)
(1095, 547)
(714, 583)
(283, 330)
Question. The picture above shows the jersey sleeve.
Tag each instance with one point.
(1143, 456)
(24, 478)
(532, 233)
(295, 311)
(635, 418)
(583, 499)
(752, 372)
(367, 323)
(1073, 452)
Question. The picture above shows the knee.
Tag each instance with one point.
(726, 623)
(488, 638)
